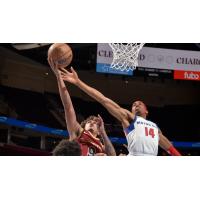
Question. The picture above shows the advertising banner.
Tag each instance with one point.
(164, 60)
(187, 75)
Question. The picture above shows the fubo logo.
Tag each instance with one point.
(191, 75)
(187, 75)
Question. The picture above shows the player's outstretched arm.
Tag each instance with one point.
(121, 114)
(165, 144)
(109, 149)
(73, 126)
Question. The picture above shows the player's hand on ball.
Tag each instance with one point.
(53, 66)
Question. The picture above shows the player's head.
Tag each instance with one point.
(140, 109)
(91, 124)
(67, 148)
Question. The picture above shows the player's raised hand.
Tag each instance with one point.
(101, 125)
(71, 77)
(53, 66)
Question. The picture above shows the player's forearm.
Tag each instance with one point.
(64, 94)
(70, 115)
(109, 149)
(168, 146)
(95, 94)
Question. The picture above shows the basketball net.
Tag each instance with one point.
(125, 56)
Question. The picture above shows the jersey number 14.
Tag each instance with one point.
(149, 132)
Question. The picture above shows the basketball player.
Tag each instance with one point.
(143, 136)
(89, 131)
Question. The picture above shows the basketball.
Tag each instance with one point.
(61, 54)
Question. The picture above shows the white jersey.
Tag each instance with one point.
(142, 137)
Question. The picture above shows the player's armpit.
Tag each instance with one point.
(74, 132)
(127, 118)
(123, 115)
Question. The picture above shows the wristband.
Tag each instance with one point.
(172, 151)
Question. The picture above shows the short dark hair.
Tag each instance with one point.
(83, 123)
(67, 148)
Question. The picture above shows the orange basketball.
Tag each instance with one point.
(61, 54)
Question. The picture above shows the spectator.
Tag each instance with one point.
(67, 148)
